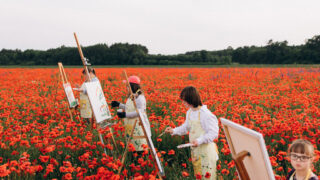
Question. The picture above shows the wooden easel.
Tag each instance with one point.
(86, 64)
(64, 81)
(238, 158)
(131, 95)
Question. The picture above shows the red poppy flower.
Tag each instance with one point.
(185, 174)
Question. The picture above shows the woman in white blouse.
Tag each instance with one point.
(130, 115)
(203, 128)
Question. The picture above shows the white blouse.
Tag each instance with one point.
(141, 104)
(209, 123)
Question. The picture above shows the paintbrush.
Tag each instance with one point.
(162, 132)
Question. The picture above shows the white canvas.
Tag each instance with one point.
(98, 102)
(258, 163)
(70, 96)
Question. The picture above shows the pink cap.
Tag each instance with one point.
(133, 79)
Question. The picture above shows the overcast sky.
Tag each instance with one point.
(164, 26)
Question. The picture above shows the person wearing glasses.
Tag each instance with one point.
(301, 153)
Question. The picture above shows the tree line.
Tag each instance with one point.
(135, 54)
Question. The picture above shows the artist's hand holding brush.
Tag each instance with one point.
(169, 130)
(78, 88)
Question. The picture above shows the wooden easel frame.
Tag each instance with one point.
(65, 81)
(131, 95)
(238, 158)
(86, 64)
(254, 149)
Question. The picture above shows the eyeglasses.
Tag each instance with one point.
(301, 158)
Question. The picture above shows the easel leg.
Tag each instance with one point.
(158, 172)
(101, 139)
(159, 175)
(91, 124)
(70, 113)
(127, 145)
(64, 80)
(113, 141)
(238, 159)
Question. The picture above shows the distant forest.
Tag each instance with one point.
(135, 54)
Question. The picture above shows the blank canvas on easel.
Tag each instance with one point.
(241, 139)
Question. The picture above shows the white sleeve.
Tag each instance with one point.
(209, 123)
(183, 129)
(141, 104)
(122, 106)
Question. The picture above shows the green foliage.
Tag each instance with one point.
(135, 54)
(279, 53)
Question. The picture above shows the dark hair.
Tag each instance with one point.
(135, 87)
(89, 70)
(191, 96)
(301, 146)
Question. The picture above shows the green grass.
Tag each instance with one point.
(178, 66)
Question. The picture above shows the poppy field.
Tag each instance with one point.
(38, 139)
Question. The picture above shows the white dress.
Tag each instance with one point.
(203, 127)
